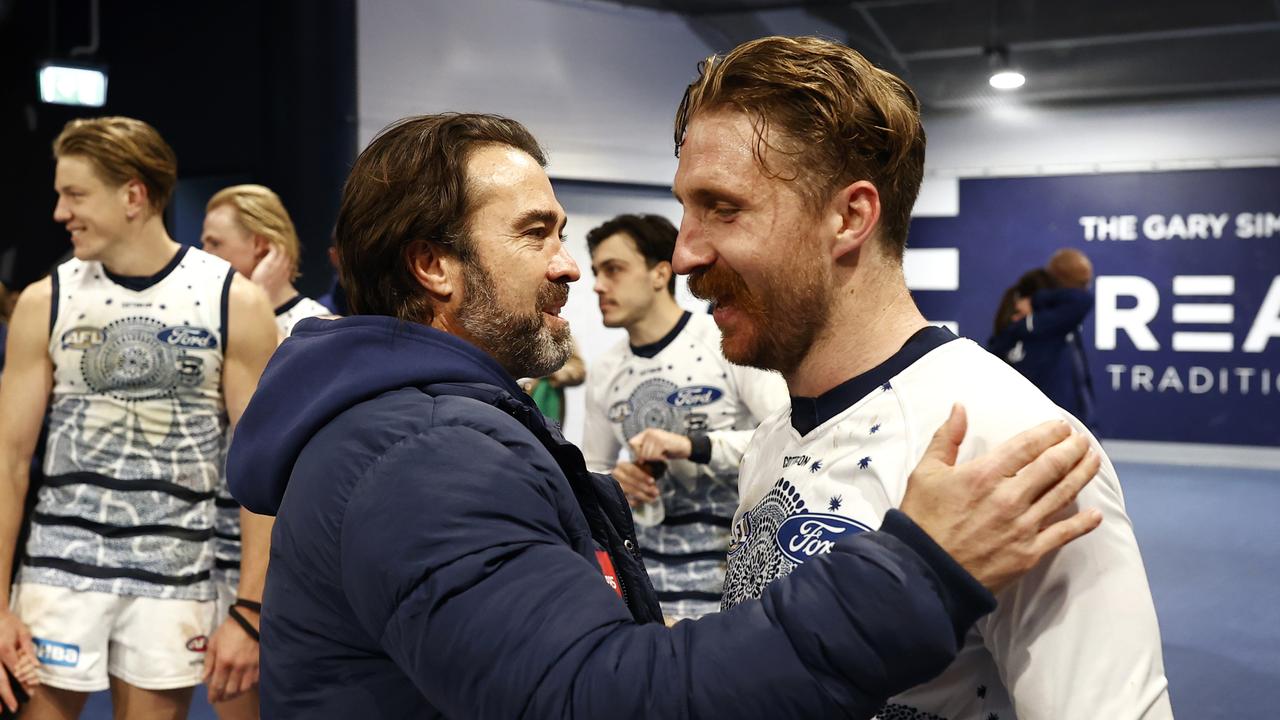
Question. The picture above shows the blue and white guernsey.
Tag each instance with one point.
(681, 384)
(1076, 639)
(136, 430)
(288, 314)
(227, 525)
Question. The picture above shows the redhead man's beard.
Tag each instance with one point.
(778, 324)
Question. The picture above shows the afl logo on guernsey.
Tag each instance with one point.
(81, 338)
(188, 337)
(694, 395)
(808, 535)
(620, 411)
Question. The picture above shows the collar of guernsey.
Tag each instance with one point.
(808, 413)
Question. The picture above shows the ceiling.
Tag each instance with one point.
(1086, 51)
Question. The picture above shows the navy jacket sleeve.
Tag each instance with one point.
(1054, 313)
(454, 555)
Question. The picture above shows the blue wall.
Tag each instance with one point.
(1151, 384)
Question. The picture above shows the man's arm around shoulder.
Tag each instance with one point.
(1054, 313)
(487, 566)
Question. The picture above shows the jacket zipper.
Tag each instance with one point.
(521, 413)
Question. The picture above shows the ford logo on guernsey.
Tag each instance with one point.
(694, 395)
(807, 535)
(188, 337)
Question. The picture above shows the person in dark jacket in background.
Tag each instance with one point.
(1041, 337)
(1015, 304)
(441, 551)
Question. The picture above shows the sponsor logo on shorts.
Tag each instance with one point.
(198, 644)
(56, 653)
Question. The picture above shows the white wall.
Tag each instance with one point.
(1013, 140)
(598, 85)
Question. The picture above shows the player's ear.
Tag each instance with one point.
(853, 216)
(660, 274)
(134, 194)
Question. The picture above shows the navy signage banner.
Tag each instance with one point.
(1184, 340)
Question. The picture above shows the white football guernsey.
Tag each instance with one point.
(227, 525)
(1076, 639)
(136, 430)
(682, 384)
(288, 314)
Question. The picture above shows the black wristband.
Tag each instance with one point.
(243, 623)
(248, 605)
(701, 452)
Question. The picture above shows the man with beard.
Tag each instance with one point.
(799, 164)
(683, 411)
(440, 551)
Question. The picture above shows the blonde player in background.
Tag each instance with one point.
(141, 350)
(248, 226)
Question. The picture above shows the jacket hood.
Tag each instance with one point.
(327, 366)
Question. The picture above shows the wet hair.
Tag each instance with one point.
(832, 115)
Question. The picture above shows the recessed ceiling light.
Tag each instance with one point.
(1007, 80)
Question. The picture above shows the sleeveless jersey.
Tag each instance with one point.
(288, 314)
(227, 524)
(136, 430)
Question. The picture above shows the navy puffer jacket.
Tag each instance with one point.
(435, 554)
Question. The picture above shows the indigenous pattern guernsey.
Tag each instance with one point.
(684, 385)
(1075, 638)
(299, 307)
(136, 430)
(227, 524)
